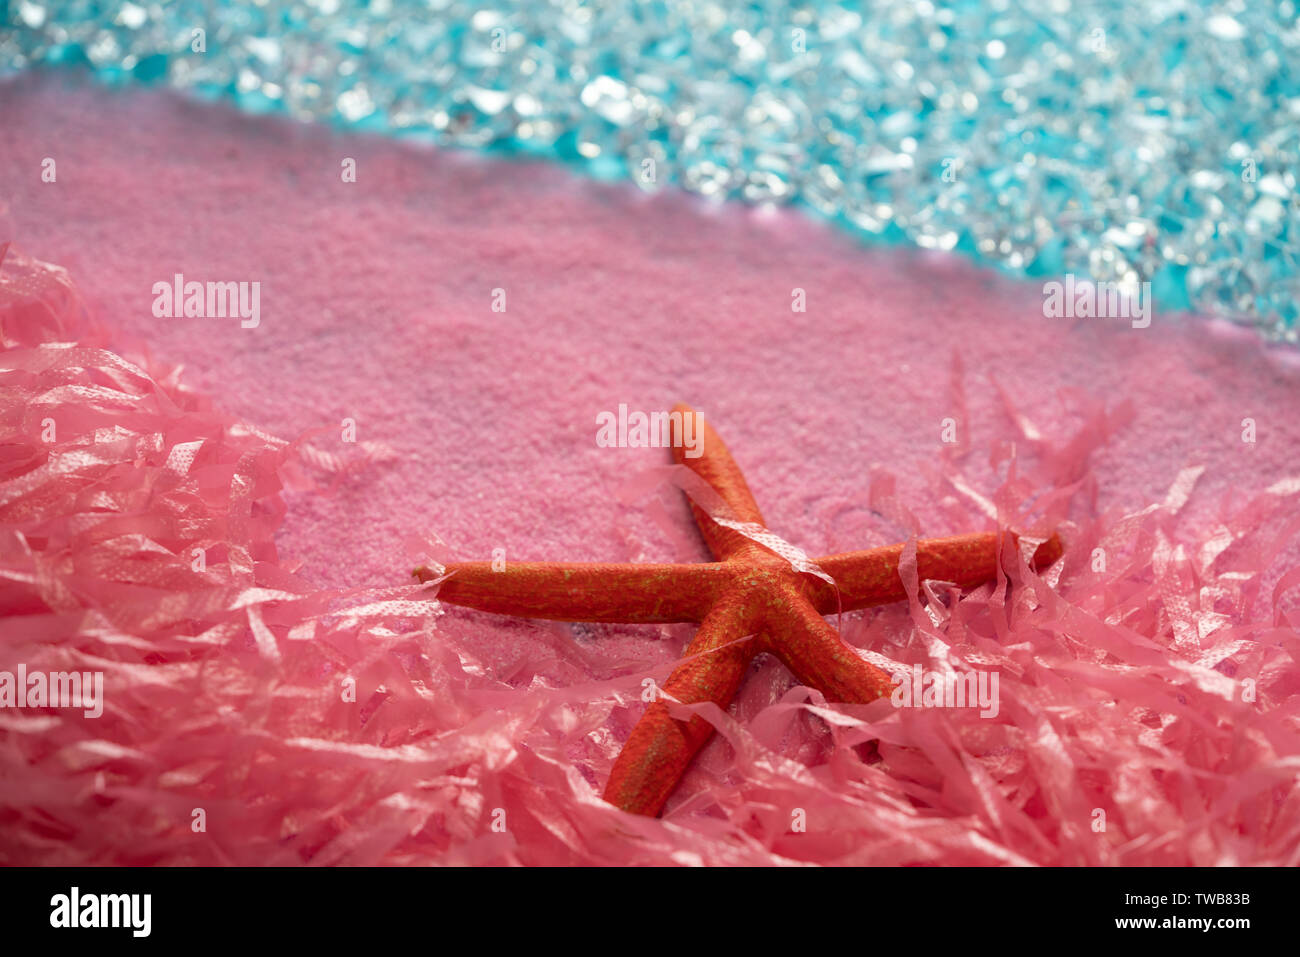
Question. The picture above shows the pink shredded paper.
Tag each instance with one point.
(278, 691)
(1159, 695)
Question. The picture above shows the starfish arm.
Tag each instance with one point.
(716, 466)
(583, 591)
(819, 658)
(661, 747)
(871, 577)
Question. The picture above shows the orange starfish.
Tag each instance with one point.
(749, 600)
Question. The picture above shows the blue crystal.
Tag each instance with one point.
(1156, 141)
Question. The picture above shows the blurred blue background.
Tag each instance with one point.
(1127, 143)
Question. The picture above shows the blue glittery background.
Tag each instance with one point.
(1122, 142)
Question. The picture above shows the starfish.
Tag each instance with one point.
(749, 601)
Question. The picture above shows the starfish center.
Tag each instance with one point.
(757, 596)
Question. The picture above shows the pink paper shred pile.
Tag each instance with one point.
(1148, 710)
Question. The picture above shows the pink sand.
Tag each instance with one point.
(479, 427)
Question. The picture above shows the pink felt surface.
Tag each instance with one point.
(478, 427)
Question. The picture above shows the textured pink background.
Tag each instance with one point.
(376, 306)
